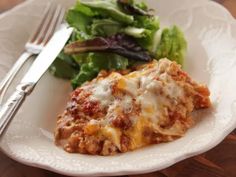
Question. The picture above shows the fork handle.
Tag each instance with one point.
(12, 105)
(4, 84)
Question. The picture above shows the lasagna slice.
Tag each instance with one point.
(122, 111)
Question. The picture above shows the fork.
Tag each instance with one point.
(52, 18)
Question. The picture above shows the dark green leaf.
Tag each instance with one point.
(64, 67)
(85, 75)
(78, 20)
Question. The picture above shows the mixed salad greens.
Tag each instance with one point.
(114, 35)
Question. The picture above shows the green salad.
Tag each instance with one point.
(114, 35)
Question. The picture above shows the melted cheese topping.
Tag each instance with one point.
(142, 88)
(129, 85)
(102, 93)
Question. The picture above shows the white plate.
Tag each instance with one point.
(211, 59)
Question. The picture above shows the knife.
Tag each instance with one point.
(36, 71)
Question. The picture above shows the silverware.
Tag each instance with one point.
(52, 18)
(40, 65)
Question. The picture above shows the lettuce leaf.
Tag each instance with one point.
(137, 32)
(172, 45)
(105, 27)
(151, 25)
(84, 9)
(108, 8)
(78, 20)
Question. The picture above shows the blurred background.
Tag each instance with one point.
(7, 4)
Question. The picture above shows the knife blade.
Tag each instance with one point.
(36, 71)
(48, 55)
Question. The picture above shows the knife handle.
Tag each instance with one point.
(7, 80)
(12, 105)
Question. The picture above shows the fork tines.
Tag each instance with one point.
(52, 18)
